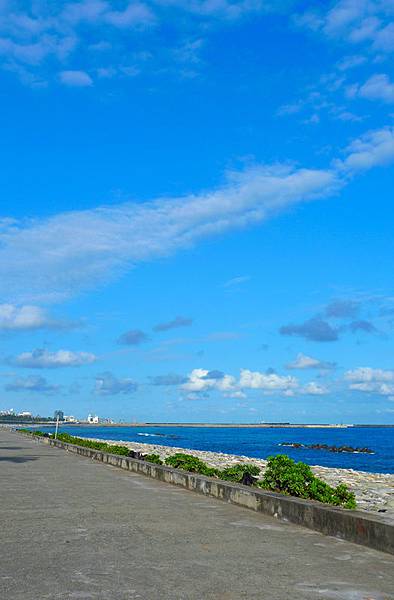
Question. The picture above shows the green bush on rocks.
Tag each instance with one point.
(153, 458)
(284, 475)
(190, 463)
(237, 472)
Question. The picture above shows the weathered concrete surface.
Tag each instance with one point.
(72, 529)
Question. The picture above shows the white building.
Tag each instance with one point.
(93, 419)
(70, 419)
(24, 413)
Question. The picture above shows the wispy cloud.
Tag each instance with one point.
(75, 78)
(315, 329)
(356, 22)
(38, 37)
(134, 337)
(343, 308)
(109, 385)
(27, 318)
(57, 257)
(378, 87)
(168, 379)
(174, 324)
(371, 149)
(236, 281)
(32, 384)
(44, 359)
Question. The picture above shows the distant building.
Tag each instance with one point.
(24, 413)
(93, 419)
(70, 419)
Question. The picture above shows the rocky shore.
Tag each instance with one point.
(374, 491)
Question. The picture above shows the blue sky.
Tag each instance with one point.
(196, 218)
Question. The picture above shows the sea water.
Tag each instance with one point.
(263, 442)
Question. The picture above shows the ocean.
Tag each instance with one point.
(264, 442)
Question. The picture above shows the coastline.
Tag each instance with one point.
(374, 491)
(234, 425)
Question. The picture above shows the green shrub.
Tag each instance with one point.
(238, 472)
(102, 446)
(190, 463)
(284, 475)
(153, 458)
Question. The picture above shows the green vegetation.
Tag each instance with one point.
(153, 458)
(192, 464)
(282, 473)
(102, 446)
(237, 473)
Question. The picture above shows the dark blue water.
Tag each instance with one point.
(261, 443)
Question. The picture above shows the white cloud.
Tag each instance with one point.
(225, 9)
(350, 62)
(43, 359)
(24, 318)
(56, 257)
(383, 389)
(378, 87)
(307, 362)
(370, 150)
(136, 13)
(75, 78)
(267, 382)
(314, 389)
(199, 381)
(355, 22)
(367, 374)
(32, 33)
(366, 379)
(35, 52)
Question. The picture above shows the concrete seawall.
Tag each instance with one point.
(353, 526)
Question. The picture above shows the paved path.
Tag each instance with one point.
(74, 529)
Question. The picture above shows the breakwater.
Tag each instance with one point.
(261, 443)
(355, 526)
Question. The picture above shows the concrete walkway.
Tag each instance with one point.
(74, 529)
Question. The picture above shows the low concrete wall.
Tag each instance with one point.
(352, 526)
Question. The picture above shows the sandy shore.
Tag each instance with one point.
(374, 491)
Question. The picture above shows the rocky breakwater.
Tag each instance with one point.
(346, 449)
(374, 491)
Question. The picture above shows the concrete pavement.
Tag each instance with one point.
(71, 528)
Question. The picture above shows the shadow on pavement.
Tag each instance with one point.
(17, 459)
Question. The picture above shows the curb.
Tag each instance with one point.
(350, 525)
